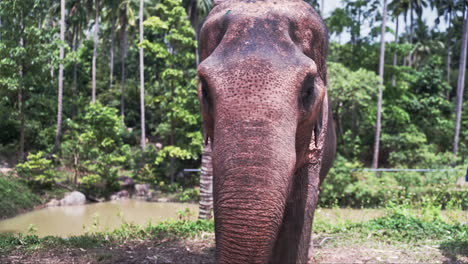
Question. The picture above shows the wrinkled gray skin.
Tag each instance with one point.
(265, 108)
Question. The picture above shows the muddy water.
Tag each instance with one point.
(75, 220)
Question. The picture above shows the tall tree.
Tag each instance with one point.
(77, 19)
(445, 9)
(126, 17)
(58, 132)
(396, 9)
(197, 10)
(142, 80)
(22, 155)
(95, 51)
(460, 86)
(111, 16)
(206, 183)
(123, 55)
(375, 160)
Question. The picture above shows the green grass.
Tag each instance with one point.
(15, 197)
(168, 229)
(399, 227)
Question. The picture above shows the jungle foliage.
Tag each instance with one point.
(100, 142)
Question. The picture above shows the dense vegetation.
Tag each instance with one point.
(98, 142)
(15, 197)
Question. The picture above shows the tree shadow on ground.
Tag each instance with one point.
(454, 250)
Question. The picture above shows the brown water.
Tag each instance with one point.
(75, 220)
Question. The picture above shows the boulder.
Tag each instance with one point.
(73, 198)
(53, 203)
(126, 182)
(122, 195)
(142, 190)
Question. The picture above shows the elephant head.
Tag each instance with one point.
(263, 94)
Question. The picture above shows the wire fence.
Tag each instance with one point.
(375, 170)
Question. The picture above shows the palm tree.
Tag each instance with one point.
(60, 80)
(375, 160)
(397, 10)
(197, 10)
(460, 86)
(322, 8)
(206, 183)
(445, 9)
(22, 156)
(96, 41)
(77, 19)
(142, 80)
(416, 6)
(112, 8)
(126, 17)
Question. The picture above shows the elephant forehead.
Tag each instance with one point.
(275, 27)
(255, 79)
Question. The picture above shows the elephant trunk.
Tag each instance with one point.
(253, 167)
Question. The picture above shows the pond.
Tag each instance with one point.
(67, 221)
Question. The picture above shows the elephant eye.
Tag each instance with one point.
(307, 93)
(206, 97)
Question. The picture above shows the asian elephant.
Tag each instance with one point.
(265, 108)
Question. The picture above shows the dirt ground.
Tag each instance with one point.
(201, 250)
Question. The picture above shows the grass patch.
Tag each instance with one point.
(401, 226)
(15, 197)
(128, 231)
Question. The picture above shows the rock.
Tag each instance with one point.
(142, 190)
(73, 198)
(53, 203)
(126, 182)
(122, 195)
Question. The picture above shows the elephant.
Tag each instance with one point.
(265, 109)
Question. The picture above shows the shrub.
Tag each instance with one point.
(93, 146)
(347, 185)
(37, 170)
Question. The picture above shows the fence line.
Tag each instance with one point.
(414, 170)
(376, 170)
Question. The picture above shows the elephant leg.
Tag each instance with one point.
(292, 244)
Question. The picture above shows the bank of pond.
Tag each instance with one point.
(67, 221)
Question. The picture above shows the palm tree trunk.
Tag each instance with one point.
(322, 8)
(206, 184)
(460, 86)
(96, 40)
(395, 58)
(375, 160)
(142, 81)
(75, 70)
(172, 138)
(123, 55)
(449, 48)
(22, 156)
(60, 80)
(410, 59)
(449, 62)
(111, 62)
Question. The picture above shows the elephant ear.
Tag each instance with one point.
(319, 132)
